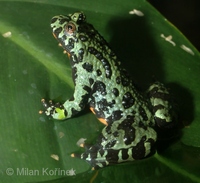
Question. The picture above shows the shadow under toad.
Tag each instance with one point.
(133, 43)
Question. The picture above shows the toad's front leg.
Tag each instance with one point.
(71, 107)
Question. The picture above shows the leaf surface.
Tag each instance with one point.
(33, 67)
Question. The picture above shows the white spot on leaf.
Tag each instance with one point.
(136, 12)
(168, 39)
(33, 85)
(15, 150)
(7, 34)
(61, 134)
(54, 156)
(24, 72)
(42, 119)
(185, 48)
(30, 91)
(81, 141)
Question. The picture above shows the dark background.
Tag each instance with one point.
(184, 14)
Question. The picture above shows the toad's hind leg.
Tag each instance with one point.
(161, 101)
(105, 153)
(99, 158)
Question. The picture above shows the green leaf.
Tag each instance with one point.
(33, 67)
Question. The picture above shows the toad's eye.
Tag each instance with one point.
(70, 28)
